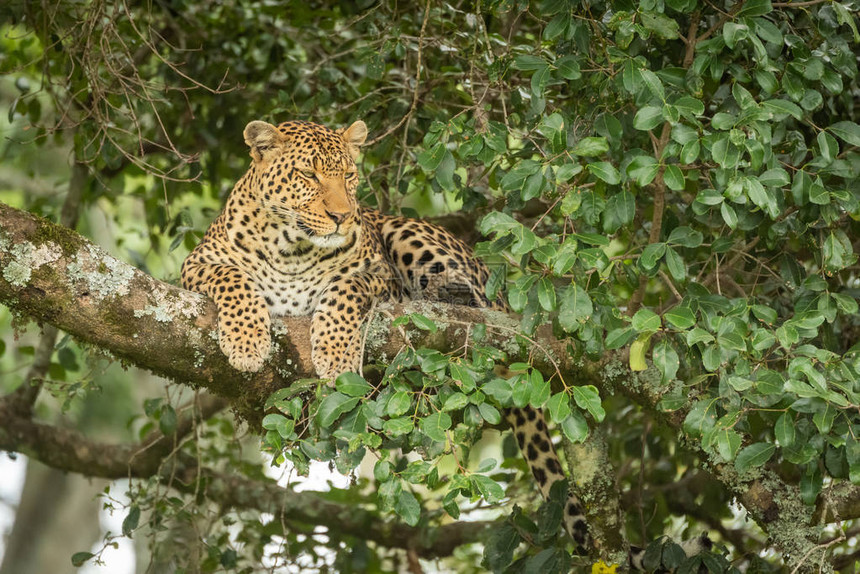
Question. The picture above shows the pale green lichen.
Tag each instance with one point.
(588, 462)
(16, 274)
(100, 274)
(26, 258)
(170, 305)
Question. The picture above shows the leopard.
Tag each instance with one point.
(292, 240)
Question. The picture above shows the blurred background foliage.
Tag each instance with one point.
(672, 178)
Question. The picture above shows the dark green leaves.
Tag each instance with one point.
(847, 131)
(435, 425)
(333, 406)
(576, 308)
(753, 456)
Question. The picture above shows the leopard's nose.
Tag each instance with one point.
(337, 216)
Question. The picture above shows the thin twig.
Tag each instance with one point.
(415, 90)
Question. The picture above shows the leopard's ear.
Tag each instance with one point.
(261, 138)
(354, 136)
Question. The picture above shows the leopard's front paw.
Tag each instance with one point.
(330, 368)
(246, 349)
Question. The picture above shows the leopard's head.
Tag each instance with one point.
(305, 175)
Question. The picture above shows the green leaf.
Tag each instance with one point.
(605, 171)
(680, 317)
(760, 196)
(663, 27)
(674, 177)
(558, 406)
(728, 443)
(646, 321)
(455, 402)
(430, 159)
(828, 146)
(539, 80)
(575, 427)
(78, 558)
(733, 32)
(398, 427)
(557, 26)
(725, 153)
(643, 169)
(568, 68)
(823, 418)
(431, 360)
(273, 421)
(776, 177)
(565, 172)
(651, 255)
(591, 146)
(676, 266)
(131, 521)
(575, 309)
(637, 352)
(587, 397)
(753, 456)
(529, 62)
(811, 484)
(686, 237)
(617, 338)
(784, 430)
(499, 551)
(333, 406)
(352, 385)
(701, 418)
(422, 322)
(781, 107)
(489, 488)
(837, 251)
(533, 186)
(382, 471)
(435, 425)
(690, 152)
(666, 360)
(167, 421)
(655, 86)
(407, 507)
(753, 8)
(847, 131)
(729, 215)
(398, 403)
(546, 294)
(689, 107)
(490, 413)
(648, 118)
(620, 210)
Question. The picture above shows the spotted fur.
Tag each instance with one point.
(292, 240)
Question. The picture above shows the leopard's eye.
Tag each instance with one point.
(351, 175)
(309, 173)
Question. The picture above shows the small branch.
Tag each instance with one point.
(656, 216)
(415, 90)
(725, 17)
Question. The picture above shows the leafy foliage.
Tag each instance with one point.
(672, 179)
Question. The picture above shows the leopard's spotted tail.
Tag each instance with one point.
(532, 436)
